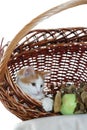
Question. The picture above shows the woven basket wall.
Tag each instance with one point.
(62, 52)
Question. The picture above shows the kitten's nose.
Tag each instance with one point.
(38, 92)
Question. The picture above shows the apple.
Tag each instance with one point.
(68, 104)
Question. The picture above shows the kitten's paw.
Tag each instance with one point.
(47, 104)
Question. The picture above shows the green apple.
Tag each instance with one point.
(68, 104)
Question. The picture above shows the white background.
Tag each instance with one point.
(15, 14)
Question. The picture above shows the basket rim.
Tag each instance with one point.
(42, 49)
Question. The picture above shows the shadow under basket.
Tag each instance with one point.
(62, 52)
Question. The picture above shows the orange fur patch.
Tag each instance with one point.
(31, 78)
(20, 73)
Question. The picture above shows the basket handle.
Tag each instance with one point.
(31, 25)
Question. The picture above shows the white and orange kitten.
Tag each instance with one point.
(32, 83)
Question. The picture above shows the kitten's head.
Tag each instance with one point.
(31, 81)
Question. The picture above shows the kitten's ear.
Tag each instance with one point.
(44, 74)
(29, 71)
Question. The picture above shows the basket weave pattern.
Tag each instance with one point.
(43, 50)
(62, 52)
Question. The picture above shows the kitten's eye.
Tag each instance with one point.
(41, 85)
(33, 84)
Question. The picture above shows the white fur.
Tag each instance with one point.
(47, 104)
(36, 92)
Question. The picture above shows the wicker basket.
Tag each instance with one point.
(63, 52)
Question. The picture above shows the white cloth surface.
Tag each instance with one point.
(74, 122)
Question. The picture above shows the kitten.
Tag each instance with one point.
(32, 83)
